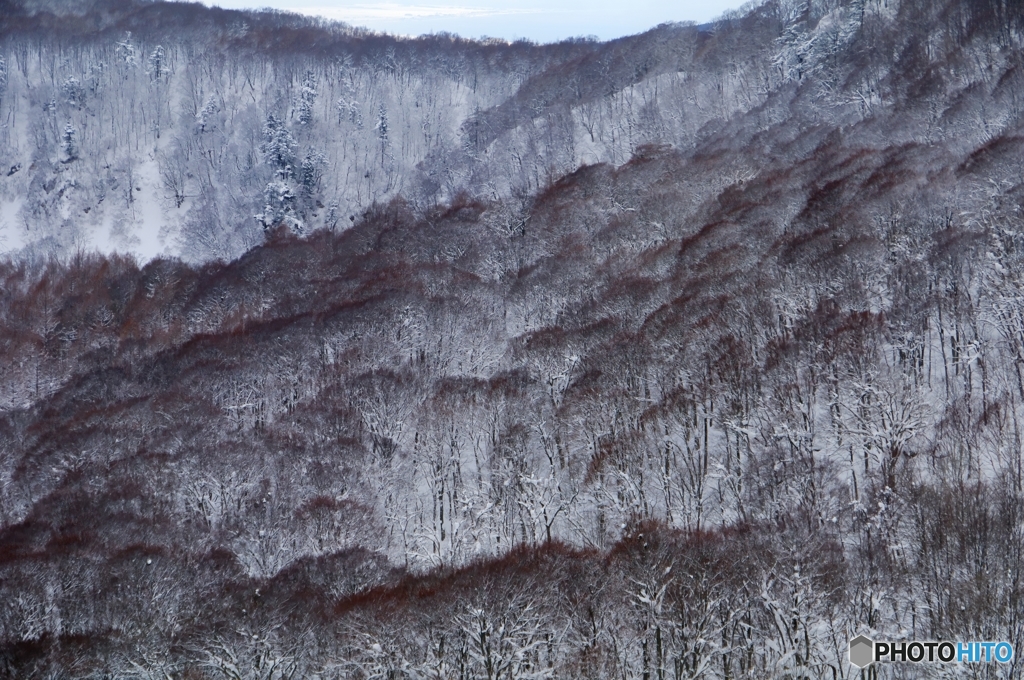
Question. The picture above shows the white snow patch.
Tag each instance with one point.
(11, 236)
(150, 215)
(103, 239)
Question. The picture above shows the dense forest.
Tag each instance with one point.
(692, 354)
(171, 129)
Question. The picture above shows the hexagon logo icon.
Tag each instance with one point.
(862, 651)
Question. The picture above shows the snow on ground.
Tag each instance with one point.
(150, 214)
(12, 237)
(103, 238)
(149, 228)
(144, 227)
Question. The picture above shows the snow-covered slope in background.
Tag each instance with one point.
(181, 130)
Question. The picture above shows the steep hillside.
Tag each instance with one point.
(710, 409)
(170, 128)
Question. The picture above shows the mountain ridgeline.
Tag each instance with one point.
(691, 354)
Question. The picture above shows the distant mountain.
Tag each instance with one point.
(692, 354)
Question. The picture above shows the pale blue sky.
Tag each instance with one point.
(538, 20)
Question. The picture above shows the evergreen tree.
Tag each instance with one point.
(68, 143)
(126, 53)
(73, 92)
(277, 146)
(206, 113)
(279, 207)
(307, 97)
(311, 171)
(382, 131)
(157, 64)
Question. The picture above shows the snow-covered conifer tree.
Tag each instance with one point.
(307, 97)
(311, 171)
(382, 131)
(279, 207)
(204, 115)
(126, 53)
(277, 146)
(157, 64)
(68, 142)
(73, 92)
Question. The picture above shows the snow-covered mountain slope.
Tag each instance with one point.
(170, 129)
(149, 131)
(707, 409)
